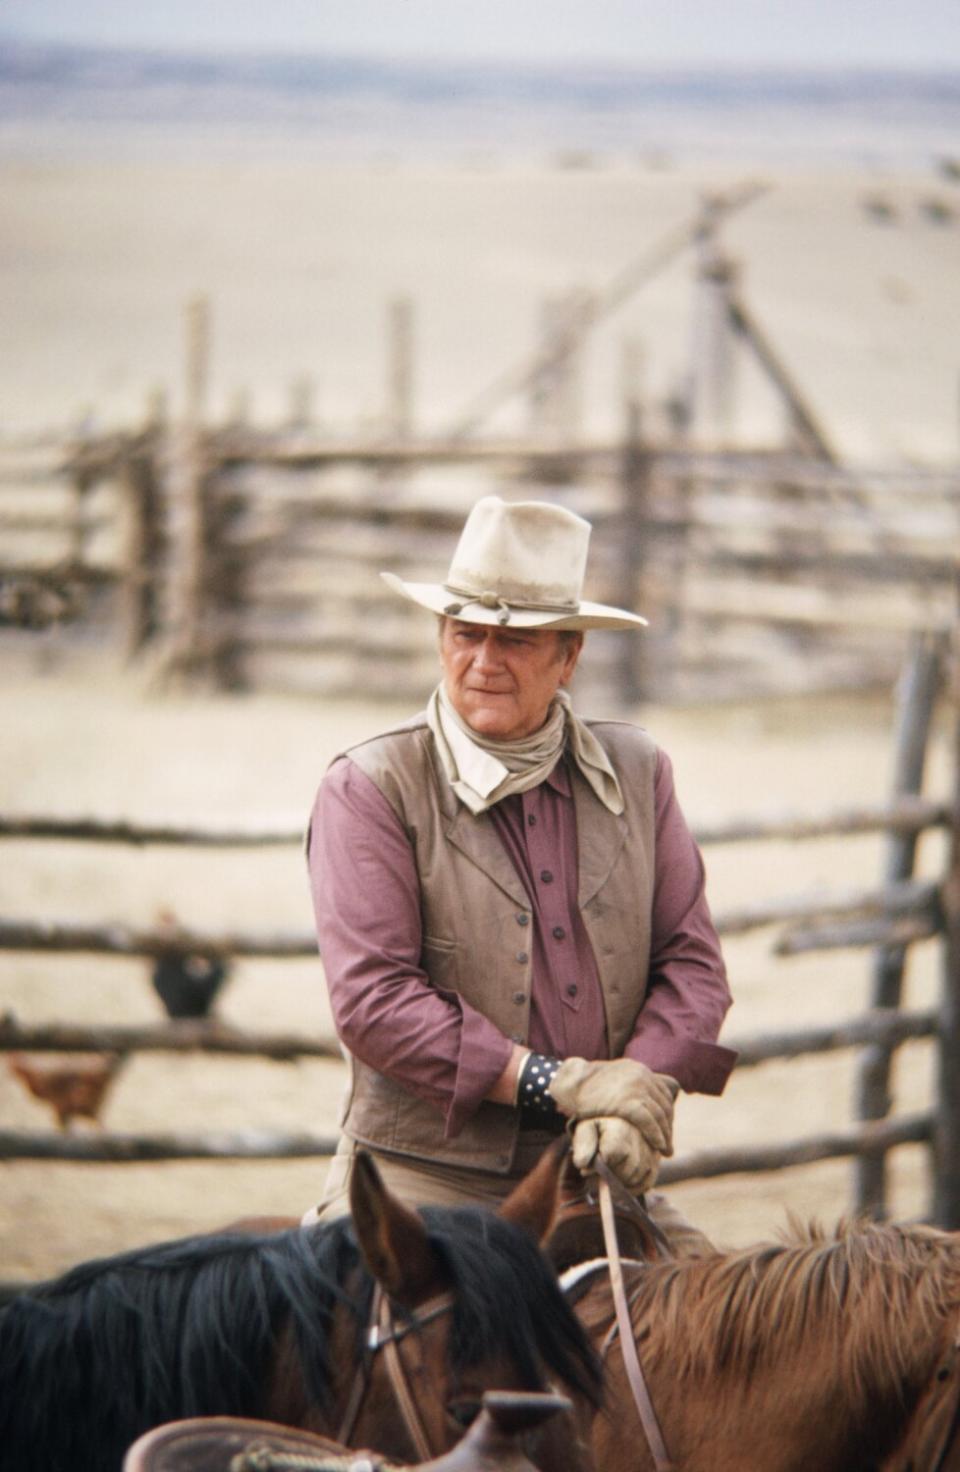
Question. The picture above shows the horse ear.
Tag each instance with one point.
(392, 1239)
(535, 1202)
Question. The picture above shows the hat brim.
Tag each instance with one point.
(438, 599)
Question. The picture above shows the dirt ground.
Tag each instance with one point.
(81, 736)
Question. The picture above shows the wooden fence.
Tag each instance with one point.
(901, 910)
(244, 560)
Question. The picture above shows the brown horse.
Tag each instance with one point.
(818, 1354)
(384, 1331)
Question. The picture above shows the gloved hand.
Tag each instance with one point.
(621, 1145)
(622, 1088)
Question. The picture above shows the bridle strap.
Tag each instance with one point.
(628, 1348)
(412, 1419)
(383, 1333)
(358, 1387)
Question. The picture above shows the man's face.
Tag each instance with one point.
(499, 680)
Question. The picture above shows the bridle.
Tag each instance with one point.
(613, 1262)
(927, 1451)
(384, 1332)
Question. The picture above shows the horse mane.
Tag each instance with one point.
(90, 1360)
(869, 1299)
(508, 1301)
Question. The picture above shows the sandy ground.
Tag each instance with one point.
(299, 260)
(97, 260)
(79, 736)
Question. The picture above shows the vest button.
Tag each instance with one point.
(558, 932)
(572, 989)
(546, 876)
(519, 998)
(522, 957)
(523, 919)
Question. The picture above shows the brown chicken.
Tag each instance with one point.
(73, 1084)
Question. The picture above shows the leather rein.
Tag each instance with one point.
(385, 1333)
(606, 1184)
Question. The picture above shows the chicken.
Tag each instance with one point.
(73, 1084)
(187, 985)
(185, 981)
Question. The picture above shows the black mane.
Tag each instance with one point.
(509, 1301)
(185, 1328)
(92, 1359)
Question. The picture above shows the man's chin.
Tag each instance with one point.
(490, 721)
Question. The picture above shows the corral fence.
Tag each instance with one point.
(885, 920)
(240, 557)
(247, 560)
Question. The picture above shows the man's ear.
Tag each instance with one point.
(572, 648)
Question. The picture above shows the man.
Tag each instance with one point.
(510, 907)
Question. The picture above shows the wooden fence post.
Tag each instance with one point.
(140, 558)
(188, 493)
(635, 491)
(917, 696)
(301, 414)
(400, 368)
(712, 367)
(947, 1124)
(556, 386)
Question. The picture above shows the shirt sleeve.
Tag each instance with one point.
(687, 994)
(366, 899)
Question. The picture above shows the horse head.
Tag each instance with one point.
(385, 1330)
(577, 1234)
(465, 1302)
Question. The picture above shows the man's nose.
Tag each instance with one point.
(489, 653)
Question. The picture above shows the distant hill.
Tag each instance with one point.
(339, 99)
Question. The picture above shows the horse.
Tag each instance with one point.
(494, 1443)
(835, 1351)
(382, 1330)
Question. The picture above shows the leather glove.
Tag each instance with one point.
(621, 1145)
(618, 1087)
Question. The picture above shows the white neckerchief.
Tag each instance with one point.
(482, 771)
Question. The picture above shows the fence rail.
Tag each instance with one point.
(237, 559)
(896, 913)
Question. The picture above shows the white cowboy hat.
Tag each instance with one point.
(519, 563)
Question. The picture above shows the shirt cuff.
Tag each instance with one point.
(698, 1067)
(484, 1054)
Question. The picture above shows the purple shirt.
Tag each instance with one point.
(366, 899)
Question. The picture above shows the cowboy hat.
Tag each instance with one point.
(519, 563)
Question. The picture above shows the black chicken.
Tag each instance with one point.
(187, 983)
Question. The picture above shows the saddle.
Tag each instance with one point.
(234, 1444)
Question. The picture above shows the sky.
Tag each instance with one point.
(805, 33)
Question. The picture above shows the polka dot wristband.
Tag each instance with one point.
(537, 1108)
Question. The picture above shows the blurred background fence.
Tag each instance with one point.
(240, 560)
(246, 558)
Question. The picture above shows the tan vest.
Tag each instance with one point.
(476, 915)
